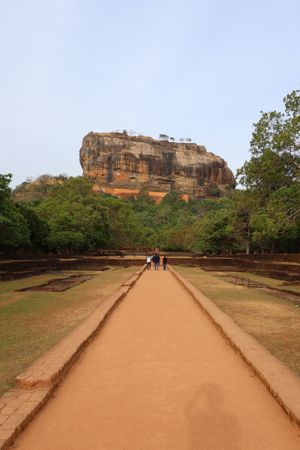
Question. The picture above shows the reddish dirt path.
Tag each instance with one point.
(160, 377)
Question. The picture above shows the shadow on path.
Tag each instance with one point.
(211, 427)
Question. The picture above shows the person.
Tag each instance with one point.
(165, 261)
(156, 261)
(148, 261)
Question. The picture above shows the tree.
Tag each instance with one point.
(272, 176)
(163, 137)
(5, 190)
(14, 232)
(76, 218)
(123, 227)
(215, 232)
(275, 149)
(38, 228)
(279, 220)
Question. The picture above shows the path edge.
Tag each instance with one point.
(36, 384)
(281, 382)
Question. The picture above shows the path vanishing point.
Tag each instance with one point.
(159, 376)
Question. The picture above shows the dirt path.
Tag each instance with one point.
(160, 377)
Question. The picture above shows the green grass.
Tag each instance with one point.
(273, 321)
(32, 322)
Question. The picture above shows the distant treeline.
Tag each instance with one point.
(66, 216)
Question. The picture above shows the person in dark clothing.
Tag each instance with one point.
(165, 261)
(156, 261)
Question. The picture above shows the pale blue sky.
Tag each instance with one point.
(196, 69)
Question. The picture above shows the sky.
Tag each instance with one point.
(186, 68)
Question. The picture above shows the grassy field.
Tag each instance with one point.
(274, 322)
(31, 322)
(272, 282)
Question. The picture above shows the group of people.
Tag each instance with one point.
(155, 260)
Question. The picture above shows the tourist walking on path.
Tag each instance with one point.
(156, 261)
(165, 262)
(148, 262)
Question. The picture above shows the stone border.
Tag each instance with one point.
(37, 383)
(282, 383)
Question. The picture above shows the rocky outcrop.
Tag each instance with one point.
(35, 190)
(123, 165)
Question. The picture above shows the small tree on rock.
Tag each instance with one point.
(163, 137)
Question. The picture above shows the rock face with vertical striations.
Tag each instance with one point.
(124, 165)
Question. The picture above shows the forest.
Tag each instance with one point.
(263, 215)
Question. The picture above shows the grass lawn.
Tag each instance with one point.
(272, 282)
(273, 321)
(31, 322)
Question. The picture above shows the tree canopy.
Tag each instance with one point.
(14, 230)
(275, 149)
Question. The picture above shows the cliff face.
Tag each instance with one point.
(123, 165)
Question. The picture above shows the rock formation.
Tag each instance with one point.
(34, 190)
(123, 165)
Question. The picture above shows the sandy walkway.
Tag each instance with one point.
(160, 377)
